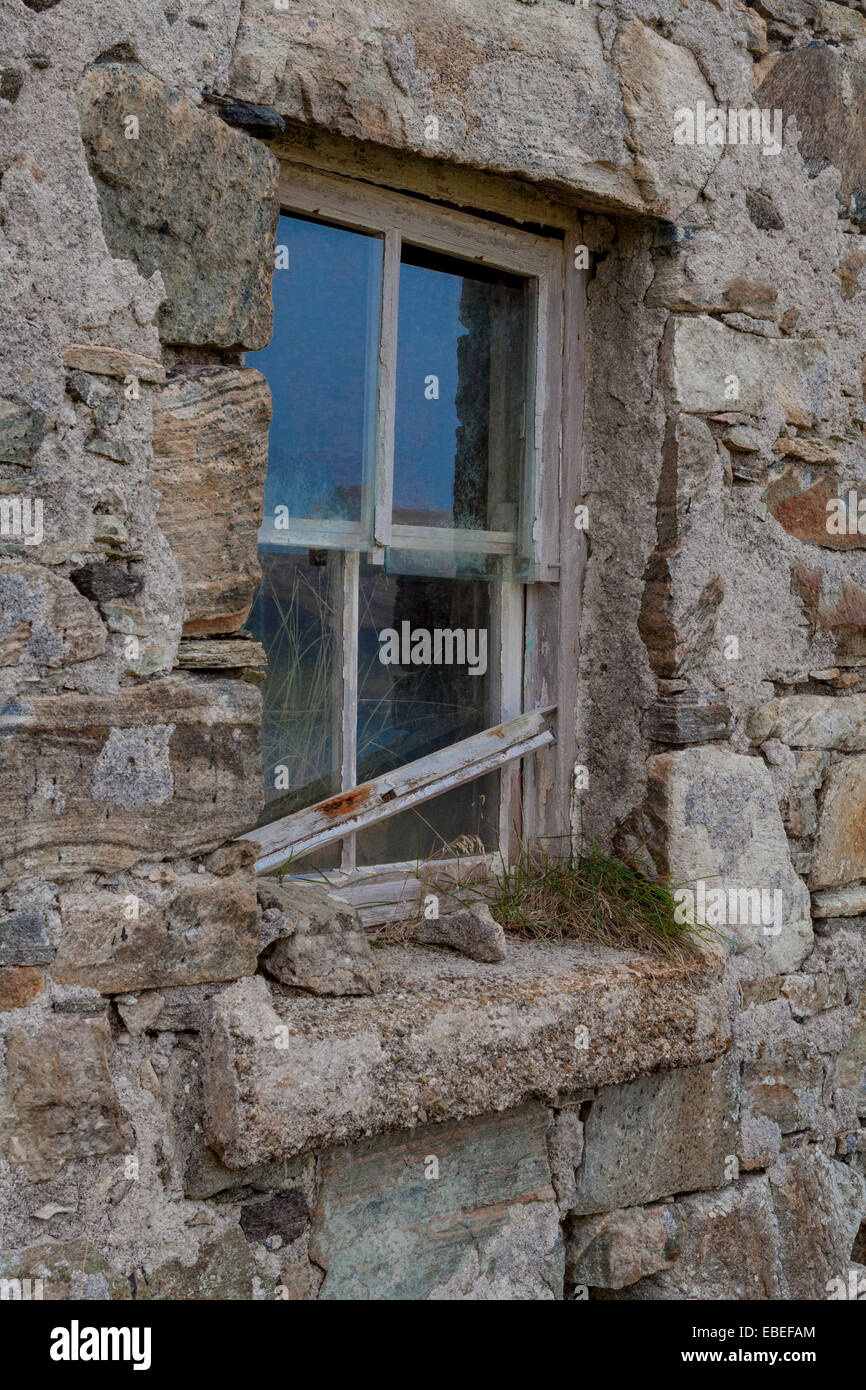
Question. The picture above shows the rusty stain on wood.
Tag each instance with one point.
(346, 801)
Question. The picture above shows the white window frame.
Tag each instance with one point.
(532, 649)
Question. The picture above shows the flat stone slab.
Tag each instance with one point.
(167, 767)
(444, 1039)
(453, 1212)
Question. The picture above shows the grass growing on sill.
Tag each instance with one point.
(584, 897)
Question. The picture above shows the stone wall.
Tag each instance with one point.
(202, 1097)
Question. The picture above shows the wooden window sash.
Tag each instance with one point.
(398, 218)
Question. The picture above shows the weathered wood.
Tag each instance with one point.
(386, 409)
(348, 713)
(553, 610)
(396, 791)
(370, 209)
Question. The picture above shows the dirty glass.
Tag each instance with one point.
(461, 396)
(432, 690)
(321, 366)
(295, 618)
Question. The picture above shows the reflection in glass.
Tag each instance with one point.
(321, 366)
(295, 618)
(409, 708)
(461, 394)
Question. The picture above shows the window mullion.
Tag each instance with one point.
(349, 689)
(387, 399)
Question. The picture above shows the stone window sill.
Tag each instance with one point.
(446, 1038)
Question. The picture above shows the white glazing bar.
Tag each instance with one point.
(387, 392)
(349, 740)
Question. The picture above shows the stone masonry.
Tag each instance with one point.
(210, 1089)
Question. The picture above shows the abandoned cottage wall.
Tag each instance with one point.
(175, 1124)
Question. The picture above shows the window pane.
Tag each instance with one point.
(432, 689)
(321, 365)
(461, 395)
(295, 617)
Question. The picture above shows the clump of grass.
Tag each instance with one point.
(585, 896)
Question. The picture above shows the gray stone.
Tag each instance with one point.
(187, 171)
(458, 1211)
(616, 1248)
(818, 1205)
(720, 827)
(223, 1270)
(565, 1152)
(704, 360)
(141, 936)
(99, 781)
(657, 78)
(812, 721)
(378, 73)
(445, 1038)
(850, 1070)
(24, 940)
(22, 430)
(60, 1103)
(11, 82)
(781, 1236)
(319, 942)
(729, 1249)
(784, 1087)
(44, 621)
(60, 1271)
(102, 580)
(839, 855)
(140, 1014)
(763, 212)
(688, 718)
(824, 88)
(102, 400)
(657, 1136)
(841, 902)
(473, 931)
(811, 994)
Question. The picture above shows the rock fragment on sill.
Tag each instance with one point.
(314, 940)
(473, 931)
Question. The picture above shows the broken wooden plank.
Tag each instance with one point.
(397, 791)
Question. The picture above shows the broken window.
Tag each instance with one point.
(411, 505)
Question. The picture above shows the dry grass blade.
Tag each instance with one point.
(587, 897)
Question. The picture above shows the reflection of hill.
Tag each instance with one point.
(416, 516)
(307, 485)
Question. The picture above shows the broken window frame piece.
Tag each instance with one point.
(533, 669)
(399, 790)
